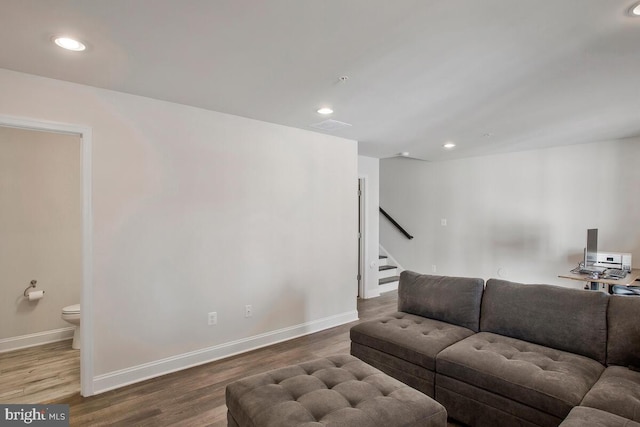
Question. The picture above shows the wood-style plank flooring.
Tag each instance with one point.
(39, 374)
(195, 396)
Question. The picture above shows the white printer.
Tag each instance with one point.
(617, 260)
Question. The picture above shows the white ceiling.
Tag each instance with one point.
(490, 75)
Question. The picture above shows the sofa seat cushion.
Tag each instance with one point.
(550, 380)
(617, 391)
(581, 416)
(409, 337)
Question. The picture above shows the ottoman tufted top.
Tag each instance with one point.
(337, 391)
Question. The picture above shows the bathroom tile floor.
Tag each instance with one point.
(40, 374)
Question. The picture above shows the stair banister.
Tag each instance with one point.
(398, 226)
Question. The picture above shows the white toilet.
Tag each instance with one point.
(71, 314)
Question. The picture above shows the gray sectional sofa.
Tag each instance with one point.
(508, 354)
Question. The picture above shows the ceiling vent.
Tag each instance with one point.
(330, 125)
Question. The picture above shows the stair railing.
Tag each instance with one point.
(398, 226)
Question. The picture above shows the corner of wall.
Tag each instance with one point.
(369, 169)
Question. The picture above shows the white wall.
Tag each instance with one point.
(369, 169)
(197, 211)
(40, 231)
(522, 216)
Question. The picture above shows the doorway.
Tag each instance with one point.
(83, 135)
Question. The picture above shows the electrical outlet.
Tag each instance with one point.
(248, 310)
(213, 318)
(443, 222)
(433, 268)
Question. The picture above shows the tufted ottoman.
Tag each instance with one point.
(336, 391)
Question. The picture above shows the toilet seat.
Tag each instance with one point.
(71, 309)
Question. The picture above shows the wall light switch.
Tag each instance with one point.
(248, 310)
(443, 222)
(213, 318)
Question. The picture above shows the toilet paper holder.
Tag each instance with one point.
(32, 284)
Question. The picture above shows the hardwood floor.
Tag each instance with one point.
(39, 374)
(196, 396)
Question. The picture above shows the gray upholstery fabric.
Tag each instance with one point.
(617, 391)
(550, 380)
(572, 320)
(540, 353)
(453, 300)
(623, 345)
(412, 375)
(335, 391)
(231, 422)
(483, 408)
(412, 338)
(581, 416)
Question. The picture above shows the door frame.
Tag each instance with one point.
(363, 271)
(86, 300)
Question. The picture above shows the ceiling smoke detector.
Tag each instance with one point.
(405, 155)
(330, 125)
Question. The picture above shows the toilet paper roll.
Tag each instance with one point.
(35, 295)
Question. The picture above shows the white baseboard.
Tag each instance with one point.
(123, 377)
(39, 338)
(372, 293)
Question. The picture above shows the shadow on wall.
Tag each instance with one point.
(516, 250)
(24, 306)
(286, 308)
(519, 240)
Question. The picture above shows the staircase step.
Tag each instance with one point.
(387, 271)
(388, 280)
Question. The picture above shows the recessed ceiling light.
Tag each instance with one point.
(404, 154)
(69, 44)
(449, 145)
(325, 110)
(635, 10)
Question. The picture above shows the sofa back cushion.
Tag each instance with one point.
(454, 300)
(566, 319)
(623, 342)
